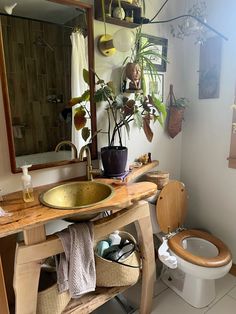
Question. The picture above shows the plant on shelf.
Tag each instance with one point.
(120, 112)
(139, 62)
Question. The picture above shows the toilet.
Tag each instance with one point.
(193, 258)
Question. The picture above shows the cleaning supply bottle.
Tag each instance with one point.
(114, 238)
(27, 187)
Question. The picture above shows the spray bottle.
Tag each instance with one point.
(27, 187)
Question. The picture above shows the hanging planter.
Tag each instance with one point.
(175, 114)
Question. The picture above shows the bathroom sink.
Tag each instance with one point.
(75, 195)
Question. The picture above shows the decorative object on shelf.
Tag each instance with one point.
(144, 63)
(129, 17)
(196, 22)
(144, 159)
(134, 73)
(209, 68)
(105, 7)
(175, 114)
(118, 13)
(121, 111)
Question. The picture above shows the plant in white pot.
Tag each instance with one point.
(120, 112)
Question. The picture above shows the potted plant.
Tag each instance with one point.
(175, 113)
(140, 61)
(120, 111)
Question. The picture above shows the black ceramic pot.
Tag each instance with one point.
(114, 159)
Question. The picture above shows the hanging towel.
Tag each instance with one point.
(76, 265)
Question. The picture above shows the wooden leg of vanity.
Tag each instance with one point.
(3, 293)
(26, 275)
(28, 260)
(145, 240)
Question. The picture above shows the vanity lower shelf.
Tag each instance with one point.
(92, 300)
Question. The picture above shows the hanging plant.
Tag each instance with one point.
(176, 113)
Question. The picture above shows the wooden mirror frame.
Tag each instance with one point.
(6, 99)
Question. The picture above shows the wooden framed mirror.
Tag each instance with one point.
(35, 71)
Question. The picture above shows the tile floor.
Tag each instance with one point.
(165, 301)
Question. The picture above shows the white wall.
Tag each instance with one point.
(206, 136)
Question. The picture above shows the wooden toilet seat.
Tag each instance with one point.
(222, 259)
(171, 209)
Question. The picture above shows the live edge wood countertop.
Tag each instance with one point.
(29, 215)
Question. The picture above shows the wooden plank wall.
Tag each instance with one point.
(35, 71)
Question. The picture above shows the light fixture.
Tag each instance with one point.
(188, 27)
(9, 8)
(122, 40)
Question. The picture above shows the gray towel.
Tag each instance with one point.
(76, 266)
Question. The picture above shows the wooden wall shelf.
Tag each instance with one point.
(90, 301)
(128, 8)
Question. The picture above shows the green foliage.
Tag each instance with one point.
(181, 102)
(121, 111)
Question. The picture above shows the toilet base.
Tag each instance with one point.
(197, 292)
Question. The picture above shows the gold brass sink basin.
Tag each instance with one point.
(75, 195)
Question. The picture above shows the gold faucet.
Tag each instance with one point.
(89, 169)
(59, 145)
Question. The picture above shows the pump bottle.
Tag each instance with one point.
(27, 187)
(114, 238)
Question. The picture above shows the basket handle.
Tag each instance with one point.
(135, 248)
(138, 266)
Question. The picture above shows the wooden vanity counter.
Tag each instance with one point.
(29, 215)
(127, 205)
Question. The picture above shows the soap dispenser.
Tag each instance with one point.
(27, 187)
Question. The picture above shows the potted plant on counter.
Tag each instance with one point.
(121, 111)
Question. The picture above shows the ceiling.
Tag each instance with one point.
(41, 10)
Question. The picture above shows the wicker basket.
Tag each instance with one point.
(50, 301)
(112, 274)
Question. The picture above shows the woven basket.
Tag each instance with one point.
(160, 178)
(50, 301)
(112, 274)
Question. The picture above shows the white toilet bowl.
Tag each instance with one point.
(201, 257)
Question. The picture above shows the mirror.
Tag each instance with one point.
(35, 70)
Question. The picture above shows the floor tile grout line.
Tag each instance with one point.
(228, 295)
(210, 307)
(156, 295)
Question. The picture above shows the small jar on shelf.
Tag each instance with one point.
(129, 16)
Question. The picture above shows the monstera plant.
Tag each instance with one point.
(121, 111)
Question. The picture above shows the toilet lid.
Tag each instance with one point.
(171, 206)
